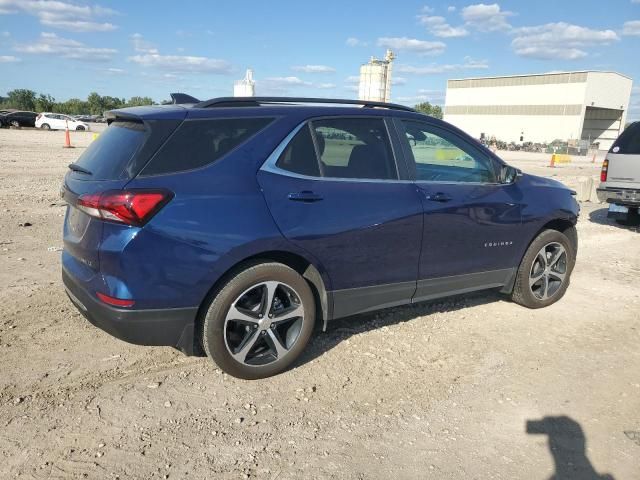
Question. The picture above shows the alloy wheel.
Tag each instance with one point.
(548, 271)
(263, 323)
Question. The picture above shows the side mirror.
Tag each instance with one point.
(509, 174)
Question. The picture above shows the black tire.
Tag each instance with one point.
(80, 128)
(45, 126)
(632, 220)
(15, 123)
(537, 296)
(214, 337)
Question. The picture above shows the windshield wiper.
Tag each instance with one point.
(78, 168)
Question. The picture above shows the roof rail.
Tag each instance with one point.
(257, 101)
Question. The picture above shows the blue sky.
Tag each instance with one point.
(150, 48)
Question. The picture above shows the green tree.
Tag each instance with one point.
(22, 99)
(139, 101)
(44, 103)
(428, 109)
(95, 103)
(73, 106)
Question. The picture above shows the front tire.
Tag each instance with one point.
(260, 321)
(80, 128)
(544, 273)
(45, 126)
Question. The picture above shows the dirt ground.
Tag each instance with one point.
(439, 390)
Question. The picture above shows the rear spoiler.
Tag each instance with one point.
(182, 98)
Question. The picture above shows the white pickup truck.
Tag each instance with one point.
(620, 177)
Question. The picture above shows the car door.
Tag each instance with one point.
(335, 189)
(471, 220)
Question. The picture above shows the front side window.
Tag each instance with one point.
(443, 158)
(356, 148)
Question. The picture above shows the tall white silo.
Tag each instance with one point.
(375, 79)
(245, 87)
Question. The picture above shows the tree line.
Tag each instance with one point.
(24, 99)
(428, 109)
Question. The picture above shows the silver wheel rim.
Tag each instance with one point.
(548, 271)
(263, 324)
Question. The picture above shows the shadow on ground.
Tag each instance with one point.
(567, 445)
(342, 329)
(599, 216)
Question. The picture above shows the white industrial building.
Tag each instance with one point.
(375, 79)
(590, 106)
(245, 87)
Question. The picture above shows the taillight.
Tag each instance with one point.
(605, 168)
(38, 117)
(131, 207)
(116, 302)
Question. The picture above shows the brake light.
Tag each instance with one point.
(605, 169)
(115, 302)
(38, 117)
(131, 207)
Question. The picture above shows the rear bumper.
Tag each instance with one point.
(169, 327)
(621, 196)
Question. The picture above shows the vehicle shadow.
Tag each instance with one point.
(567, 446)
(599, 216)
(342, 329)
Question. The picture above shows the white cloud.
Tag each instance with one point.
(140, 45)
(468, 64)
(398, 81)
(326, 85)
(52, 44)
(114, 71)
(427, 9)
(355, 42)
(559, 41)
(352, 79)
(8, 59)
(486, 18)
(182, 63)
(421, 47)
(439, 27)
(5, 34)
(62, 15)
(451, 9)
(313, 69)
(631, 28)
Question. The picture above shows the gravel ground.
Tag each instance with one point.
(439, 390)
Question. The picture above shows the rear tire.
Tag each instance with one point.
(80, 128)
(45, 126)
(544, 273)
(15, 123)
(260, 321)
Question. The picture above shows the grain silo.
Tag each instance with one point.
(375, 79)
(245, 87)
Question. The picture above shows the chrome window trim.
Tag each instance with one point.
(270, 163)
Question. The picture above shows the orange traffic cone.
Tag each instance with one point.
(67, 138)
(552, 164)
(593, 160)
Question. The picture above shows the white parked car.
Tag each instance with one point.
(58, 121)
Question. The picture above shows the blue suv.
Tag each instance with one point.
(233, 226)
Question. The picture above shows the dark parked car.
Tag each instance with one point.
(18, 119)
(233, 226)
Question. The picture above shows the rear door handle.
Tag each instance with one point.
(304, 196)
(439, 197)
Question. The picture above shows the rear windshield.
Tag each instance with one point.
(197, 143)
(629, 141)
(108, 156)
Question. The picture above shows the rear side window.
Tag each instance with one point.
(197, 143)
(629, 142)
(108, 156)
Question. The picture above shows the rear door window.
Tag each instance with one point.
(354, 148)
(108, 155)
(197, 143)
(300, 155)
(629, 142)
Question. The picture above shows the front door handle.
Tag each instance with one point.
(305, 196)
(439, 197)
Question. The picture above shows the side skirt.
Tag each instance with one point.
(353, 301)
